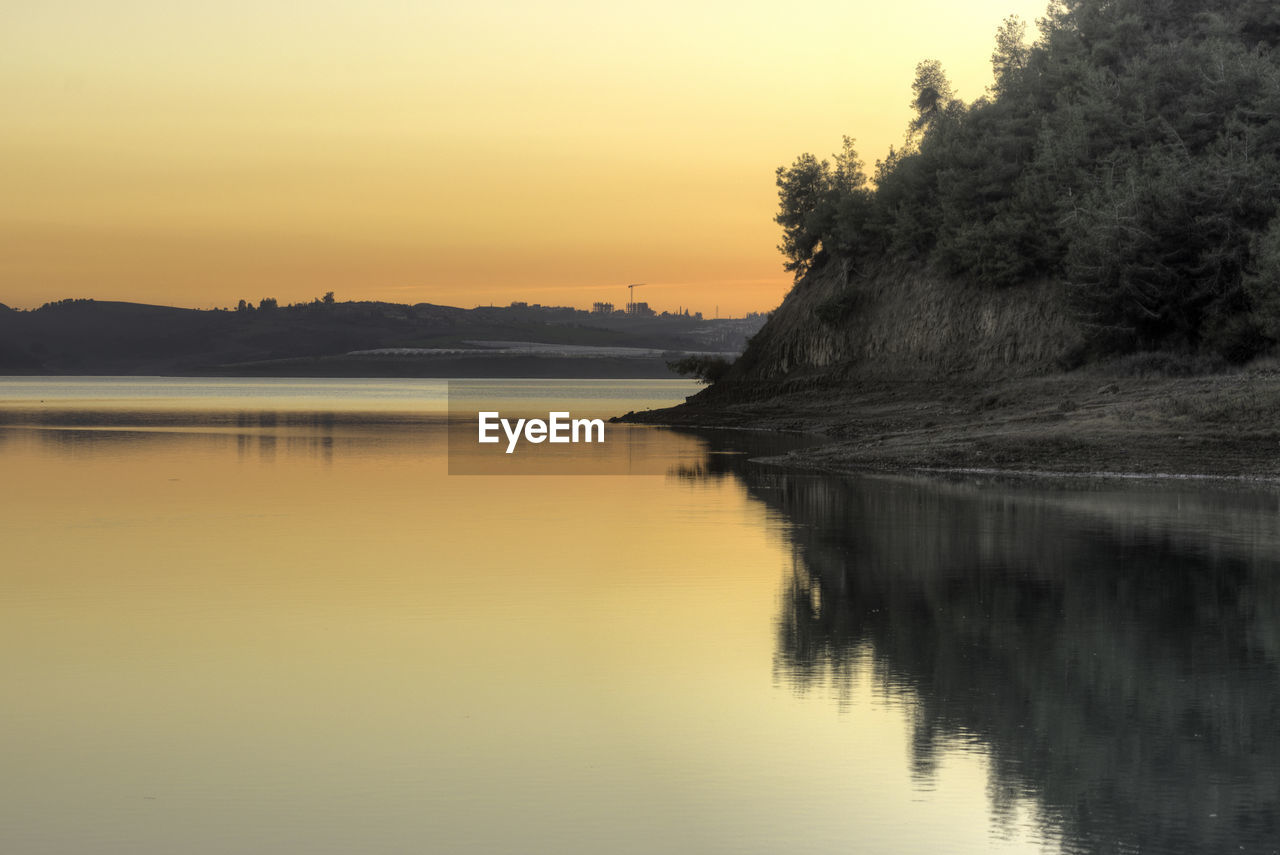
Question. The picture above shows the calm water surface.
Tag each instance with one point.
(260, 617)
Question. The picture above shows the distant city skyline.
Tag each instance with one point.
(245, 304)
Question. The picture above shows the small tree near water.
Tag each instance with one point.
(708, 369)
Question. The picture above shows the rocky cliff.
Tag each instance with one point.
(904, 322)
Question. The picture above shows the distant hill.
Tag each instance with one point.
(336, 339)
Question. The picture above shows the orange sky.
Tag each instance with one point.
(194, 154)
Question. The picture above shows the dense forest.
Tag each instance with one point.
(1129, 153)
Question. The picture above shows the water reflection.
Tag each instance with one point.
(631, 450)
(1113, 652)
(201, 600)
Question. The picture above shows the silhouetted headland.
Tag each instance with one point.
(1078, 271)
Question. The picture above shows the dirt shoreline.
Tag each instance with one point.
(1070, 425)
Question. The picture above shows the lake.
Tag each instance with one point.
(260, 616)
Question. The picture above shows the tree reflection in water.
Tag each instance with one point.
(1112, 650)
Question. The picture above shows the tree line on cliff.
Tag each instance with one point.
(1130, 152)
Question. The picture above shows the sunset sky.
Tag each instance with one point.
(464, 154)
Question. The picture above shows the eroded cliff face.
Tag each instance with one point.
(840, 321)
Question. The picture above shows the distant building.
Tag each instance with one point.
(602, 308)
(515, 304)
(640, 310)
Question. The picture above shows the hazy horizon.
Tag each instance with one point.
(619, 305)
(197, 156)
